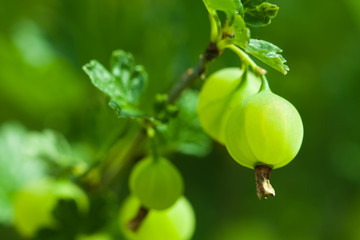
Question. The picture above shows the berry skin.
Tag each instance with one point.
(156, 182)
(174, 223)
(221, 92)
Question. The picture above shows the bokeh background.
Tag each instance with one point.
(45, 43)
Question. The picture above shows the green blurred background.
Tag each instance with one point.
(44, 43)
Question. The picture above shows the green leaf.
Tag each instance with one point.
(267, 53)
(133, 78)
(230, 7)
(242, 33)
(125, 82)
(104, 80)
(260, 15)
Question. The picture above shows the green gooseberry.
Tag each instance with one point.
(174, 223)
(156, 182)
(33, 204)
(265, 129)
(221, 92)
(264, 132)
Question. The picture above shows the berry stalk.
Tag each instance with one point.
(135, 223)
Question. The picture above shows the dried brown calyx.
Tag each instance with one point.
(263, 186)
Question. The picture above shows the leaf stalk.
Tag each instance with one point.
(246, 58)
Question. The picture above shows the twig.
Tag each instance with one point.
(193, 74)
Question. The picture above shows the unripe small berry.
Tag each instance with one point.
(156, 182)
(222, 91)
(265, 129)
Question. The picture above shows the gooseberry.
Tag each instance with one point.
(222, 91)
(265, 132)
(156, 182)
(175, 223)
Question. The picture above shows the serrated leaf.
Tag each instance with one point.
(267, 53)
(104, 80)
(260, 15)
(242, 33)
(230, 7)
(132, 78)
(125, 82)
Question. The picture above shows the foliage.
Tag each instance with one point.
(268, 53)
(254, 13)
(123, 85)
(28, 156)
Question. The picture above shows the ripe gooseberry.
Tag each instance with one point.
(156, 182)
(175, 223)
(222, 91)
(33, 205)
(265, 130)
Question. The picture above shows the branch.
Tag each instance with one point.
(193, 74)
